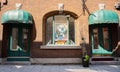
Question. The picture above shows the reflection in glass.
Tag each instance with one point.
(25, 39)
(14, 39)
(106, 38)
(63, 28)
(95, 34)
(49, 32)
(60, 19)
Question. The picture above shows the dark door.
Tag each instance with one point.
(101, 40)
(19, 42)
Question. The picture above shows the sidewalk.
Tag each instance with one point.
(59, 68)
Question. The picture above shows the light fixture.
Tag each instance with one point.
(2, 3)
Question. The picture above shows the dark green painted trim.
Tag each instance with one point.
(18, 59)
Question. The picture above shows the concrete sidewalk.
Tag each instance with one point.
(59, 68)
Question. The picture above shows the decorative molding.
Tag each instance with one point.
(101, 6)
(18, 6)
(60, 7)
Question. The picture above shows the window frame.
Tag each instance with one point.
(53, 31)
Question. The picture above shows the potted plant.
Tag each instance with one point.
(85, 60)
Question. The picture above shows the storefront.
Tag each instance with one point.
(103, 27)
(41, 32)
(17, 25)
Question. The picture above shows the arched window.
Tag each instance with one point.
(60, 30)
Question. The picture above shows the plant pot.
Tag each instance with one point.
(85, 63)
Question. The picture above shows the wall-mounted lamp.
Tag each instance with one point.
(2, 3)
(117, 5)
(60, 7)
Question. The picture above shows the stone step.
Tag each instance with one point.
(18, 58)
(104, 62)
(17, 63)
(56, 60)
(103, 59)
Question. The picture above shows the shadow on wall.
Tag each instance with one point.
(33, 31)
(116, 51)
(119, 33)
(33, 36)
(86, 48)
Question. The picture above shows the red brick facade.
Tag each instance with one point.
(40, 9)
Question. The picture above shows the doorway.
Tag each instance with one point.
(19, 43)
(101, 38)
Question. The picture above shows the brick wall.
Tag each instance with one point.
(38, 9)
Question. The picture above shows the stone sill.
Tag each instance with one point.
(59, 47)
(55, 60)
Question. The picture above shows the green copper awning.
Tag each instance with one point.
(17, 16)
(103, 16)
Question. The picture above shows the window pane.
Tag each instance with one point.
(14, 39)
(95, 34)
(106, 38)
(71, 29)
(25, 39)
(60, 19)
(49, 28)
(63, 30)
(61, 33)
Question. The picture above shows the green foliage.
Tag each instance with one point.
(86, 58)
